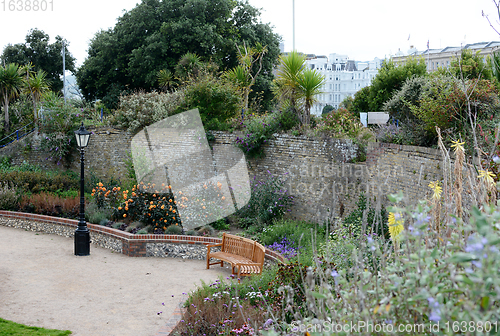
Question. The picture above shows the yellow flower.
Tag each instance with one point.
(458, 145)
(395, 226)
(487, 176)
(162, 207)
(437, 189)
(165, 220)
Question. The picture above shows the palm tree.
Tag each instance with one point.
(36, 85)
(165, 79)
(244, 75)
(309, 83)
(287, 87)
(11, 82)
(189, 65)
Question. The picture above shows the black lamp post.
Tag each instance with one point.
(82, 234)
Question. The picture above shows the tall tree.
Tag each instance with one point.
(43, 55)
(247, 71)
(11, 82)
(390, 78)
(35, 85)
(298, 86)
(310, 83)
(156, 34)
(287, 86)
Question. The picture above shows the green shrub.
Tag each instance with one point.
(214, 98)
(374, 222)
(97, 215)
(269, 200)
(57, 125)
(36, 181)
(142, 109)
(9, 197)
(220, 224)
(340, 124)
(206, 230)
(174, 230)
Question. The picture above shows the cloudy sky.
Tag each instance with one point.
(361, 29)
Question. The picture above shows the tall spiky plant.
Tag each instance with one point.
(11, 82)
(287, 77)
(310, 83)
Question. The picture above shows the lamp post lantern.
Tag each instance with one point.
(82, 234)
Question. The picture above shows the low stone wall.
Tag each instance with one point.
(132, 245)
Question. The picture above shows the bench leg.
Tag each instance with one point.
(208, 262)
(221, 263)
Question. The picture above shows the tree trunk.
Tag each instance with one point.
(6, 109)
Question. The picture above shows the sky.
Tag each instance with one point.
(361, 29)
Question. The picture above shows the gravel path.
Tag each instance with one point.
(42, 283)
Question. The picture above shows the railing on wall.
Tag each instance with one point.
(17, 134)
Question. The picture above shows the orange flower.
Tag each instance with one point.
(162, 207)
(118, 188)
(134, 194)
(180, 192)
(92, 194)
(119, 208)
(100, 184)
(223, 198)
(124, 215)
(126, 208)
(173, 211)
(164, 228)
(154, 195)
(151, 202)
(165, 220)
(125, 197)
(130, 200)
(93, 190)
(204, 207)
(170, 200)
(103, 189)
(174, 218)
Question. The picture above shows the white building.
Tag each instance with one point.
(343, 77)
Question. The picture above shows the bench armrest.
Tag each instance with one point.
(212, 245)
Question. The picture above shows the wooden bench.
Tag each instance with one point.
(245, 255)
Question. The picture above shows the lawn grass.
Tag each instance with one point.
(9, 328)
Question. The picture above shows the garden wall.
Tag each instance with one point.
(319, 171)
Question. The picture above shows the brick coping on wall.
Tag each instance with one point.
(127, 238)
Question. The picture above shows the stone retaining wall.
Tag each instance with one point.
(320, 172)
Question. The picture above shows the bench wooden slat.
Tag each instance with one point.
(245, 255)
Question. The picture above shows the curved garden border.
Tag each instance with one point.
(132, 245)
